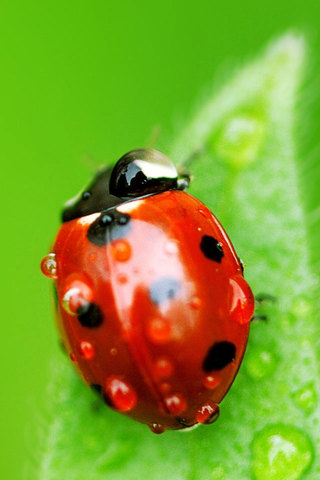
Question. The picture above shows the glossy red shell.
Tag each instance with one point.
(148, 354)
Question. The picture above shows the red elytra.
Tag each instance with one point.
(180, 318)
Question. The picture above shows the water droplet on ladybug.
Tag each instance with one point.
(121, 394)
(156, 428)
(162, 367)
(122, 278)
(49, 266)
(158, 331)
(175, 404)
(208, 413)
(72, 300)
(120, 250)
(73, 357)
(86, 350)
(165, 387)
(113, 351)
(195, 303)
(92, 257)
(242, 301)
(211, 381)
(77, 295)
(171, 248)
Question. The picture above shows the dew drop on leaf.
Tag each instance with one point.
(240, 139)
(301, 308)
(260, 363)
(306, 397)
(218, 473)
(281, 451)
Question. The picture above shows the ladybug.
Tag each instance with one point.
(152, 305)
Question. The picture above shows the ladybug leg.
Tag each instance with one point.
(265, 297)
(184, 175)
(263, 300)
(62, 347)
(256, 316)
(98, 402)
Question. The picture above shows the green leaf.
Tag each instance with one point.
(242, 151)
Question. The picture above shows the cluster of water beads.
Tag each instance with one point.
(118, 392)
(280, 450)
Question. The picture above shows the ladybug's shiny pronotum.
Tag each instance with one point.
(152, 306)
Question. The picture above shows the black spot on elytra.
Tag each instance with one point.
(90, 315)
(110, 225)
(163, 289)
(219, 355)
(211, 248)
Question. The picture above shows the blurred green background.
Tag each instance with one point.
(81, 84)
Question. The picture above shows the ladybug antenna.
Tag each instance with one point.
(184, 168)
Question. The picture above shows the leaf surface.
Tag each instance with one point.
(242, 151)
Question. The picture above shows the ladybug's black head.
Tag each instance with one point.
(137, 174)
